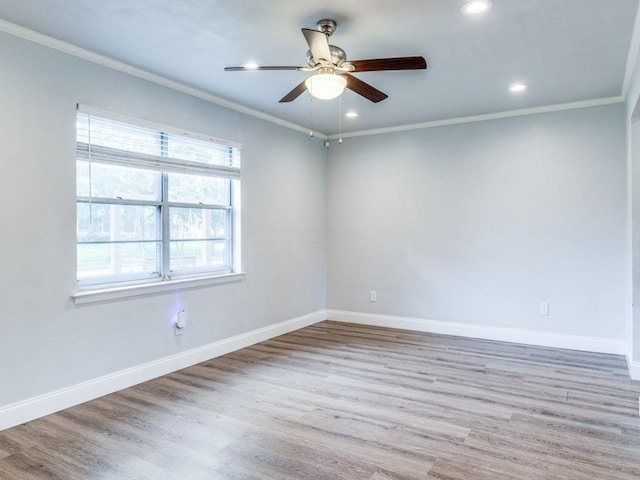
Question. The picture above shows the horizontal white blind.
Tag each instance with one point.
(106, 140)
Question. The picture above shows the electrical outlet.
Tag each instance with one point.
(373, 296)
(544, 308)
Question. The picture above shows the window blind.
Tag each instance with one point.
(106, 140)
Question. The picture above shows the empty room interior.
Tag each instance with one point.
(334, 240)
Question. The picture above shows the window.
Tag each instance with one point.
(153, 203)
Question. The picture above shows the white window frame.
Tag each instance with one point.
(98, 288)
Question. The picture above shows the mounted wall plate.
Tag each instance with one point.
(181, 321)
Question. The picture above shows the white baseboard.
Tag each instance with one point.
(30, 409)
(544, 339)
(634, 369)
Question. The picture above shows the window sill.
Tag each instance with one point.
(114, 293)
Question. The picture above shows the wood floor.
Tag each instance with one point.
(339, 401)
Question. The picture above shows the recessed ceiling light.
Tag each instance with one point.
(517, 87)
(251, 66)
(476, 6)
(351, 114)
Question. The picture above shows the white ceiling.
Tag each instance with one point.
(565, 50)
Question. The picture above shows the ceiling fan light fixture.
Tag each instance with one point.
(475, 7)
(326, 86)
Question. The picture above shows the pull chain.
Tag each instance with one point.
(311, 112)
(340, 119)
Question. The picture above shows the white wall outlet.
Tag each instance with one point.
(181, 322)
(544, 308)
(373, 296)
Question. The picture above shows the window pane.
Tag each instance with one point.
(197, 223)
(113, 181)
(117, 259)
(198, 189)
(101, 223)
(192, 255)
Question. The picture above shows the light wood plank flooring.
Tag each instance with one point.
(339, 401)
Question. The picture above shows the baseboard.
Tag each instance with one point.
(634, 368)
(544, 339)
(30, 409)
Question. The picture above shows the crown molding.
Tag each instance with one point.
(102, 60)
(632, 56)
(61, 46)
(481, 118)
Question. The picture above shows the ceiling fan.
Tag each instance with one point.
(331, 72)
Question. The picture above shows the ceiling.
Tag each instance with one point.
(565, 50)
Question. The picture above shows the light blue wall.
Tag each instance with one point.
(479, 223)
(633, 158)
(47, 342)
(473, 223)
(634, 237)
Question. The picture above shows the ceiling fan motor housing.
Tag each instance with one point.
(338, 57)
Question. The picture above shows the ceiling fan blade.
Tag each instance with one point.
(318, 44)
(293, 94)
(364, 89)
(396, 63)
(266, 67)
